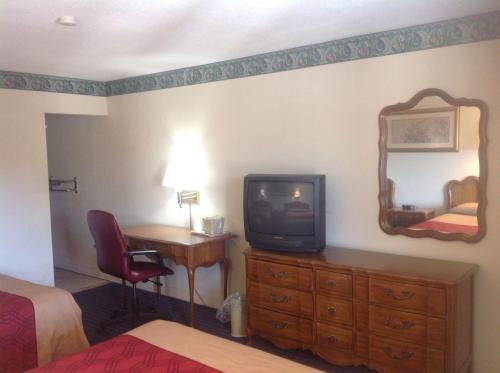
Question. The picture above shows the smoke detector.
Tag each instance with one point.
(66, 21)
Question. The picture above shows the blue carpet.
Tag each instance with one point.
(97, 304)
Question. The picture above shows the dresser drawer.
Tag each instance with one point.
(280, 275)
(281, 325)
(281, 299)
(334, 310)
(387, 355)
(408, 326)
(334, 283)
(330, 336)
(408, 296)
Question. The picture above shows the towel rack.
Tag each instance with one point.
(61, 185)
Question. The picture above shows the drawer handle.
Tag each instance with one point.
(332, 283)
(279, 325)
(405, 355)
(331, 339)
(406, 324)
(275, 299)
(331, 309)
(279, 275)
(405, 295)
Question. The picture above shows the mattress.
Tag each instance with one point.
(161, 346)
(450, 223)
(57, 320)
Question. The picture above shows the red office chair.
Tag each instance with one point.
(114, 258)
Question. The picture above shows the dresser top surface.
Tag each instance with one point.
(423, 269)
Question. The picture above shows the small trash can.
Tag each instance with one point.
(238, 318)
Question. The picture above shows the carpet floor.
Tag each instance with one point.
(98, 303)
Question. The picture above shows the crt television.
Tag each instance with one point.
(285, 212)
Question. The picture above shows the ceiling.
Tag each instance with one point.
(123, 38)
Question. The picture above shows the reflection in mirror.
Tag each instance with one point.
(432, 183)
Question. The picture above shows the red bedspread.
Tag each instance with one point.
(125, 354)
(446, 227)
(17, 334)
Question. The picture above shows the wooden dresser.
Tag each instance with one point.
(351, 307)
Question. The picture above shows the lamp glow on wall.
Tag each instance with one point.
(186, 170)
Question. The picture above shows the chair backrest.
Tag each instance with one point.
(109, 243)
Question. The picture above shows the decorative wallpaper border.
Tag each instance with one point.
(48, 83)
(433, 35)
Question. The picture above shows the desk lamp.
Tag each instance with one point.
(183, 174)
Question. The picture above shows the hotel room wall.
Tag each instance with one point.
(316, 120)
(25, 234)
(75, 147)
(420, 177)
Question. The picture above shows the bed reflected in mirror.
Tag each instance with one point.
(432, 167)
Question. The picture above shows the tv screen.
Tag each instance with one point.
(285, 212)
(281, 208)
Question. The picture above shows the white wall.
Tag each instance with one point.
(25, 235)
(75, 147)
(420, 178)
(315, 120)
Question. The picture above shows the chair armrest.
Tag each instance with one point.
(141, 252)
(154, 253)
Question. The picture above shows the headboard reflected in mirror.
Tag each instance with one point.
(432, 167)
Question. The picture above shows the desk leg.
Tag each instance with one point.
(191, 296)
(225, 267)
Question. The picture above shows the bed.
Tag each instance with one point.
(38, 324)
(461, 209)
(164, 346)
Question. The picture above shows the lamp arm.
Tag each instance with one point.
(179, 199)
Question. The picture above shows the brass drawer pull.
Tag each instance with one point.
(406, 324)
(331, 339)
(278, 325)
(275, 299)
(405, 295)
(331, 309)
(332, 283)
(279, 275)
(405, 355)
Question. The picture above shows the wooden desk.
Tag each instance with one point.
(184, 248)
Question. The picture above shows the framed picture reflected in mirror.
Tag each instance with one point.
(424, 130)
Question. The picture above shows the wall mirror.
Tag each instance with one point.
(432, 167)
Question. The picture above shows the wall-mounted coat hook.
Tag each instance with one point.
(61, 185)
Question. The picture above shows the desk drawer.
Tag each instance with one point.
(334, 283)
(280, 275)
(408, 326)
(281, 325)
(281, 299)
(334, 310)
(408, 296)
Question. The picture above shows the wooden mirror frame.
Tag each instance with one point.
(385, 190)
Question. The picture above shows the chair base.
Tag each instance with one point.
(133, 319)
(134, 314)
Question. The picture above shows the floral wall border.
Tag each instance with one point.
(409, 39)
(49, 83)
